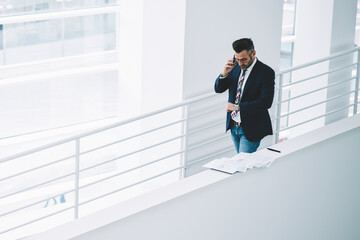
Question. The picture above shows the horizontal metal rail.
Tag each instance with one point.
(312, 119)
(207, 112)
(147, 179)
(131, 185)
(34, 150)
(107, 127)
(205, 128)
(37, 185)
(146, 164)
(37, 168)
(118, 174)
(34, 203)
(318, 89)
(316, 104)
(35, 220)
(131, 153)
(210, 156)
(333, 56)
(319, 75)
(131, 137)
(207, 142)
(131, 169)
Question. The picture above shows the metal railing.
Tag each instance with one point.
(354, 68)
(77, 155)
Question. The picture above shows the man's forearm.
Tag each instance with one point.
(221, 84)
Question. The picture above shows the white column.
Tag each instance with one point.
(130, 53)
(313, 40)
(161, 83)
(342, 38)
(130, 73)
(163, 50)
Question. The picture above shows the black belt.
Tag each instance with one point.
(237, 124)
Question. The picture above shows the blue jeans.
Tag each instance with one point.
(240, 141)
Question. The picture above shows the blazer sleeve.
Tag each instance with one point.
(266, 96)
(221, 85)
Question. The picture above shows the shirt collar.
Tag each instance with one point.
(248, 70)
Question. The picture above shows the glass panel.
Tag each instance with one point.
(8, 7)
(288, 17)
(358, 14)
(89, 34)
(40, 40)
(1, 45)
(357, 27)
(85, 4)
(31, 41)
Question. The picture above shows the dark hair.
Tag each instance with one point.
(243, 44)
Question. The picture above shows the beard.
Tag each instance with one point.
(245, 66)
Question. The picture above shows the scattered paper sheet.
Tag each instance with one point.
(242, 162)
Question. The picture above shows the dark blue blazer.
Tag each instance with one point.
(256, 99)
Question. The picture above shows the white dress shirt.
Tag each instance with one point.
(237, 118)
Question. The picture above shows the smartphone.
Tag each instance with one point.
(235, 63)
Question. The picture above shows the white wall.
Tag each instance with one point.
(311, 192)
(313, 41)
(211, 28)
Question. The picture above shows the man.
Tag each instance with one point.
(250, 84)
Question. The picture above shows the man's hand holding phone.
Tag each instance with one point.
(230, 64)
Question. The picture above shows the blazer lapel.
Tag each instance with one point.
(251, 78)
(237, 72)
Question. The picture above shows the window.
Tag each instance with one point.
(10, 8)
(57, 70)
(289, 17)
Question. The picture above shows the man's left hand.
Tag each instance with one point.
(230, 107)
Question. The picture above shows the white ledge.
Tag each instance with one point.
(175, 190)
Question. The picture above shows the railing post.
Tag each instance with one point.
(77, 174)
(185, 116)
(356, 95)
(278, 109)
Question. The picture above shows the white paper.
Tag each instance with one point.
(262, 159)
(222, 164)
(242, 162)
